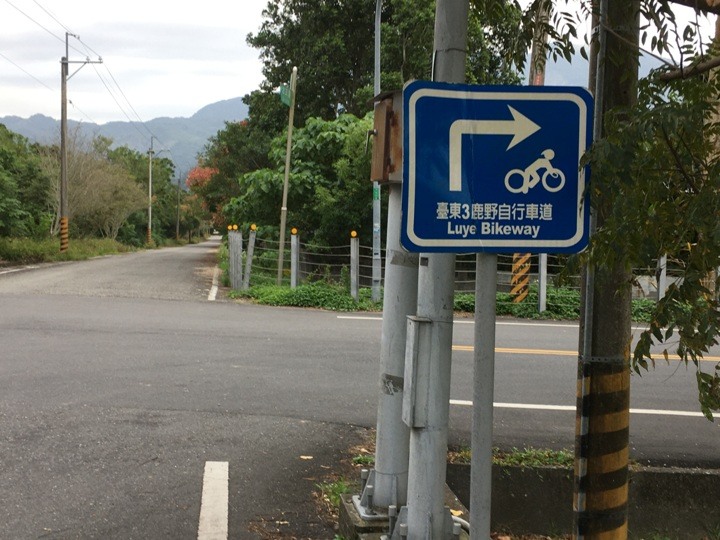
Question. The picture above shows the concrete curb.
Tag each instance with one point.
(678, 503)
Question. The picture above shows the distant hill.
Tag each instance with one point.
(183, 137)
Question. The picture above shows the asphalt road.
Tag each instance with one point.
(119, 380)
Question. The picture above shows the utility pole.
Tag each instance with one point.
(377, 257)
(537, 78)
(432, 329)
(177, 220)
(149, 225)
(600, 499)
(283, 208)
(390, 476)
(64, 78)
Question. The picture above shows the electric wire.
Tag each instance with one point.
(60, 39)
(105, 83)
(28, 73)
(52, 16)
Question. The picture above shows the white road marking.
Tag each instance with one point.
(214, 287)
(536, 407)
(12, 270)
(214, 506)
(499, 323)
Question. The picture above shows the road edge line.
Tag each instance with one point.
(213, 522)
(214, 288)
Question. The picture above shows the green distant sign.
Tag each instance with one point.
(285, 94)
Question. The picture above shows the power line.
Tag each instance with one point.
(60, 39)
(102, 79)
(52, 16)
(28, 73)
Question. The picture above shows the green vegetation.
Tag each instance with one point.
(331, 491)
(29, 251)
(107, 199)
(526, 457)
(364, 459)
(319, 294)
(562, 303)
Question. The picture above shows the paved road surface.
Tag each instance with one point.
(119, 381)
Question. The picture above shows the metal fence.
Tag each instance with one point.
(313, 262)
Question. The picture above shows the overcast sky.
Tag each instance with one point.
(169, 58)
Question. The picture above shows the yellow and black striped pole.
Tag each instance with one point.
(520, 280)
(64, 234)
(601, 448)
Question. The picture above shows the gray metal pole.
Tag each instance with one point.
(238, 258)
(428, 443)
(283, 209)
(177, 220)
(354, 265)
(249, 257)
(542, 282)
(149, 224)
(399, 300)
(377, 257)
(483, 391)
(294, 258)
(662, 276)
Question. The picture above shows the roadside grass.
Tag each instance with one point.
(525, 457)
(29, 251)
(18, 251)
(319, 294)
(562, 303)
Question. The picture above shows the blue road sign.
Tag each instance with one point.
(495, 168)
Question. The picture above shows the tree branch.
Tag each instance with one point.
(707, 6)
(697, 69)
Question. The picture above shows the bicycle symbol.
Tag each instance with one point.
(552, 179)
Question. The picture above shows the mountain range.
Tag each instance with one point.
(180, 139)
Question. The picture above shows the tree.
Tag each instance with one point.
(26, 193)
(330, 172)
(102, 194)
(329, 42)
(164, 192)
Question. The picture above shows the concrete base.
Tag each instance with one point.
(678, 503)
(353, 527)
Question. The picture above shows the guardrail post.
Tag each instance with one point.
(294, 257)
(249, 257)
(661, 275)
(230, 258)
(542, 282)
(234, 256)
(354, 264)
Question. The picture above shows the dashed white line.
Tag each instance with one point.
(214, 287)
(537, 407)
(214, 506)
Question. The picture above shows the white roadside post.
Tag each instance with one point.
(354, 265)
(294, 257)
(249, 257)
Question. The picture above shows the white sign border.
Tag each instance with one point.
(494, 244)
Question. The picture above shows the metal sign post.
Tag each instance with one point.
(485, 169)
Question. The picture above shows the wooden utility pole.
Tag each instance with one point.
(64, 77)
(603, 414)
(283, 209)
